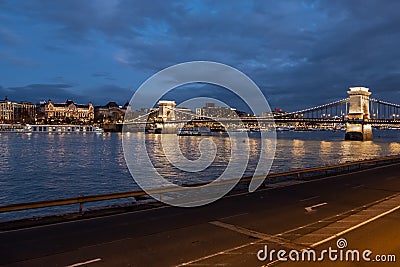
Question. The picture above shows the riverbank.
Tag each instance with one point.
(141, 201)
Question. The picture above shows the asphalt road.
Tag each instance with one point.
(381, 237)
(228, 232)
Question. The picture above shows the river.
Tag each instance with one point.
(43, 166)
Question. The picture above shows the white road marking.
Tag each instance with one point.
(84, 262)
(270, 238)
(355, 227)
(327, 220)
(345, 231)
(309, 198)
(227, 251)
(311, 208)
(218, 253)
(358, 186)
(272, 263)
(232, 216)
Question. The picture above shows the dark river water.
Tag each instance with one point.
(42, 166)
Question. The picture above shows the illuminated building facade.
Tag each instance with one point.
(17, 112)
(6, 111)
(68, 112)
(109, 113)
(213, 111)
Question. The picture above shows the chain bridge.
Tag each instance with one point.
(357, 113)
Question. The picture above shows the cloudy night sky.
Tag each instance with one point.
(300, 53)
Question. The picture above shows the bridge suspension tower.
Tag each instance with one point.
(358, 126)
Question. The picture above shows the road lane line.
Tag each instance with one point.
(84, 262)
(218, 253)
(270, 238)
(193, 262)
(309, 198)
(343, 232)
(327, 220)
(355, 227)
(311, 208)
(232, 216)
(272, 263)
(358, 186)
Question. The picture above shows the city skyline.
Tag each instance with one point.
(192, 106)
(100, 50)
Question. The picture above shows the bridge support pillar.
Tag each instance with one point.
(358, 132)
(357, 126)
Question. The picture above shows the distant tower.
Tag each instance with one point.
(357, 126)
(166, 110)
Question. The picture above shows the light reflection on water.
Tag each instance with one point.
(51, 166)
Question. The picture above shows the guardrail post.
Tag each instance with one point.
(298, 176)
(81, 206)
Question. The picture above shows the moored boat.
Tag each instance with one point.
(36, 128)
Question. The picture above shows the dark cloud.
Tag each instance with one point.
(60, 92)
(101, 74)
(9, 37)
(187, 92)
(106, 93)
(300, 53)
(16, 60)
(104, 75)
(38, 92)
(37, 87)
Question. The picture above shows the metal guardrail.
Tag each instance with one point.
(103, 197)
